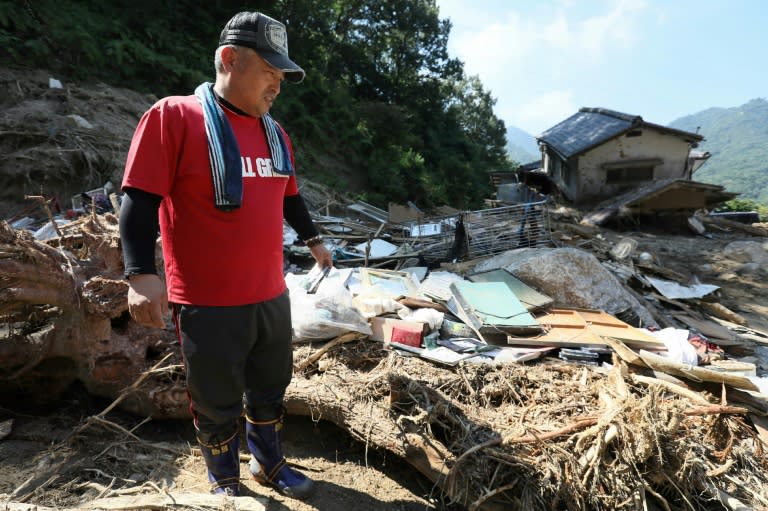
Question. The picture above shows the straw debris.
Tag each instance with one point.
(546, 436)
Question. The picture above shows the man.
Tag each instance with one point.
(215, 173)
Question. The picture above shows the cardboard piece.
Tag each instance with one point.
(383, 329)
(402, 214)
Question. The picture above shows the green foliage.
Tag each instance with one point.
(746, 205)
(381, 94)
(737, 138)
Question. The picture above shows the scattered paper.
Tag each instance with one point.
(673, 290)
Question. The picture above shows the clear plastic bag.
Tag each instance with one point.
(326, 313)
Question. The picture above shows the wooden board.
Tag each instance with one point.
(713, 331)
(695, 373)
(606, 325)
(561, 337)
(586, 327)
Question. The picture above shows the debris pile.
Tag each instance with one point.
(548, 435)
(570, 370)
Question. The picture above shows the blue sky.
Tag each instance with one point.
(662, 59)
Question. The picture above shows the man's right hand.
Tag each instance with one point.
(147, 300)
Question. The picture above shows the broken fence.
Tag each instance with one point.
(473, 234)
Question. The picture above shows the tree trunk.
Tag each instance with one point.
(63, 305)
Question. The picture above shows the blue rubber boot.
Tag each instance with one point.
(268, 465)
(223, 463)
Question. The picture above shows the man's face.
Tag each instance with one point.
(254, 82)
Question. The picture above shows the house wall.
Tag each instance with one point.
(650, 144)
(560, 172)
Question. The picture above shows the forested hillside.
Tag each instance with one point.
(383, 111)
(522, 146)
(738, 140)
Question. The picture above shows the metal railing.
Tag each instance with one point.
(474, 234)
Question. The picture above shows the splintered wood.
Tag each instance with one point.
(545, 436)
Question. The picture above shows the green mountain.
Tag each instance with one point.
(737, 138)
(521, 145)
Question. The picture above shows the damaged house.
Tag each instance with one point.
(618, 162)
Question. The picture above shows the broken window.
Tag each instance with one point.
(628, 175)
(630, 171)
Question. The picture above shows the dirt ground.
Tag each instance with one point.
(743, 286)
(347, 475)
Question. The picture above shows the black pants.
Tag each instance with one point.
(231, 354)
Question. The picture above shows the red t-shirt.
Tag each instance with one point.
(212, 257)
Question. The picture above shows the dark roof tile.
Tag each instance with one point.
(592, 126)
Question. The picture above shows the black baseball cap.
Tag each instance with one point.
(266, 36)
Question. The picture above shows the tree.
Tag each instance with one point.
(381, 93)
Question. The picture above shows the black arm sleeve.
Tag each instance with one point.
(296, 214)
(139, 227)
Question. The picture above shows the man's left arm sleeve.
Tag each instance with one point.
(296, 214)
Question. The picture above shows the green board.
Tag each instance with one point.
(532, 299)
(494, 306)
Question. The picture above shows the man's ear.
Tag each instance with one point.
(229, 58)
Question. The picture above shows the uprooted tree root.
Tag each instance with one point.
(542, 436)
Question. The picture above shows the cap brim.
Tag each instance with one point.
(293, 72)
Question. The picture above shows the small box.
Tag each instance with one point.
(409, 335)
(398, 330)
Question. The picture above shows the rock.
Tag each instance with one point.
(747, 252)
(571, 277)
(80, 122)
(645, 258)
(750, 268)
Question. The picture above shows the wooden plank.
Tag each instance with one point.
(695, 373)
(561, 337)
(713, 331)
(562, 318)
(597, 317)
(723, 222)
(625, 353)
(600, 324)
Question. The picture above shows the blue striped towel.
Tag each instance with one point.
(224, 152)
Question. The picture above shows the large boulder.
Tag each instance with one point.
(572, 278)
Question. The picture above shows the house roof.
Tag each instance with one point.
(662, 194)
(591, 127)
